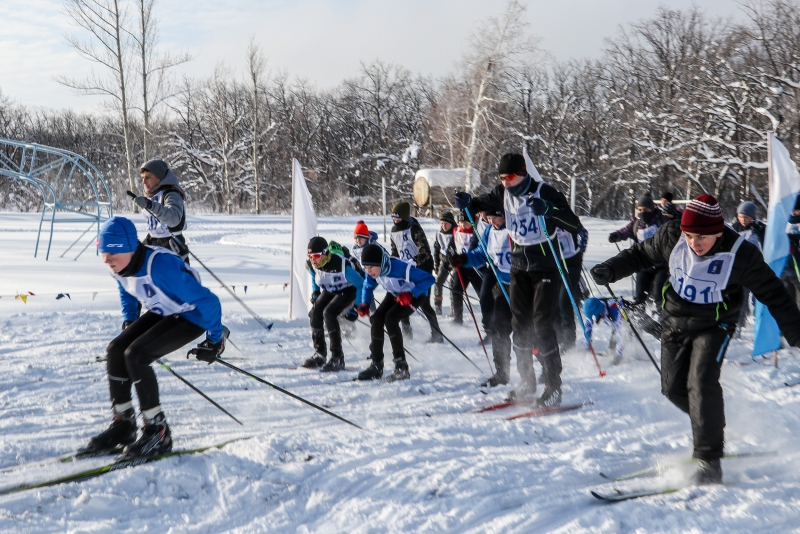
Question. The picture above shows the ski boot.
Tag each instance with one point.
(334, 365)
(156, 439)
(437, 305)
(120, 433)
(317, 360)
(373, 372)
(550, 398)
(436, 337)
(498, 379)
(400, 371)
(524, 391)
(708, 472)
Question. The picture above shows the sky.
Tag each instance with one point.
(322, 41)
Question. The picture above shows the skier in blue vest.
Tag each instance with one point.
(597, 310)
(406, 289)
(179, 310)
(336, 287)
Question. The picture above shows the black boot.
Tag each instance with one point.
(336, 362)
(334, 365)
(318, 359)
(156, 439)
(400, 371)
(500, 377)
(708, 472)
(550, 398)
(121, 432)
(373, 372)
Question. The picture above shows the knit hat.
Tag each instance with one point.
(747, 208)
(372, 255)
(646, 201)
(703, 216)
(402, 210)
(667, 195)
(448, 218)
(511, 164)
(361, 230)
(462, 217)
(317, 245)
(117, 235)
(158, 167)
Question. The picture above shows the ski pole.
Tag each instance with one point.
(260, 321)
(448, 340)
(633, 286)
(472, 313)
(571, 298)
(486, 253)
(289, 393)
(636, 332)
(387, 333)
(206, 397)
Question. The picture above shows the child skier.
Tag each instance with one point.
(337, 287)
(607, 310)
(410, 245)
(534, 272)
(406, 288)
(498, 247)
(362, 236)
(464, 241)
(441, 266)
(179, 311)
(709, 264)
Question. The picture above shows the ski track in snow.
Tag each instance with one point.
(424, 462)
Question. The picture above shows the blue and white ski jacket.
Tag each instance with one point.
(334, 265)
(397, 277)
(476, 257)
(165, 285)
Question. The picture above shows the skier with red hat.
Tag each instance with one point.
(710, 264)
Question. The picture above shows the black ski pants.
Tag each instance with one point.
(501, 334)
(487, 299)
(457, 290)
(424, 305)
(130, 354)
(325, 312)
(650, 283)
(441, 278)
(691, 360)
(565, 322)
(388, 315)
(534, 298)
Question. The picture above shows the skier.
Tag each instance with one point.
(791, 273)
(753, 230)
(362, 236)
(498, 247)
(571, 247)
(410, 245)
(406, 289)
(337, 287)
(668, 209)
(606, 310)
(180, 310)
(464, 240)
(441, 266)
(164, 201)
(534, 276)
(709, 264)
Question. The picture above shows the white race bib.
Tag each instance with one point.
(155, 228)
(406, 248)
(444, 240)
(462, 241)
(498, 247)
(522, 224)
(395, 286)
(332, 281)
(567, 243)
(700, 280)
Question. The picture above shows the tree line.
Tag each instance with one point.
(677, 102)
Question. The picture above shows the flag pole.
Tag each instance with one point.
(291, 253)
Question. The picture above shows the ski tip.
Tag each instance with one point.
(269, 326)
(605, 476)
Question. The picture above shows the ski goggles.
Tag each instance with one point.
(317, 255)
(508, 177)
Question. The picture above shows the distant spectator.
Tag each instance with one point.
(668, 209)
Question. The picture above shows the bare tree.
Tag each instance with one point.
(256, 65)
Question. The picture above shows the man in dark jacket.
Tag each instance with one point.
(410, 244)
(164, 201)
(534, 276)
(709, 266)
(441, 266)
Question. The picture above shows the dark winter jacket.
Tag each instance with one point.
(532, 257)
(630, 230)
(334, 265)
(439, 255)
(749, 270)
(759, 229)
(424, 258)
(171, 211)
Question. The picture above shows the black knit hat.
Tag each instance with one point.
(495, 212)
(511, 164)
(448, 218)
(158, 167)
(667, 195)
(372, 255)
(317, 245)
(402, 210)
(646, 201)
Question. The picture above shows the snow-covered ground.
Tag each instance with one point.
(423, 463)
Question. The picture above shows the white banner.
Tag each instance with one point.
(304, 227)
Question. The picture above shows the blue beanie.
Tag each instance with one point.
(593, 307)
(118, 235)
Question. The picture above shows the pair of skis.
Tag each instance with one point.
(536, 412)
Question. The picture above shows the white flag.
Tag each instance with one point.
(304, 227)
(784, 184)
(530, 167)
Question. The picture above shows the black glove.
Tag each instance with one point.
(314, 296)
(208, 351)
(462, 200)
(541, 207)
(126, 324)
(614, 237)
(143, 202)
(178, 248)
(351, 314)
(457, 260)
(603, 274)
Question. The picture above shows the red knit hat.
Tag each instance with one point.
(703, 216)
(361, 230)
